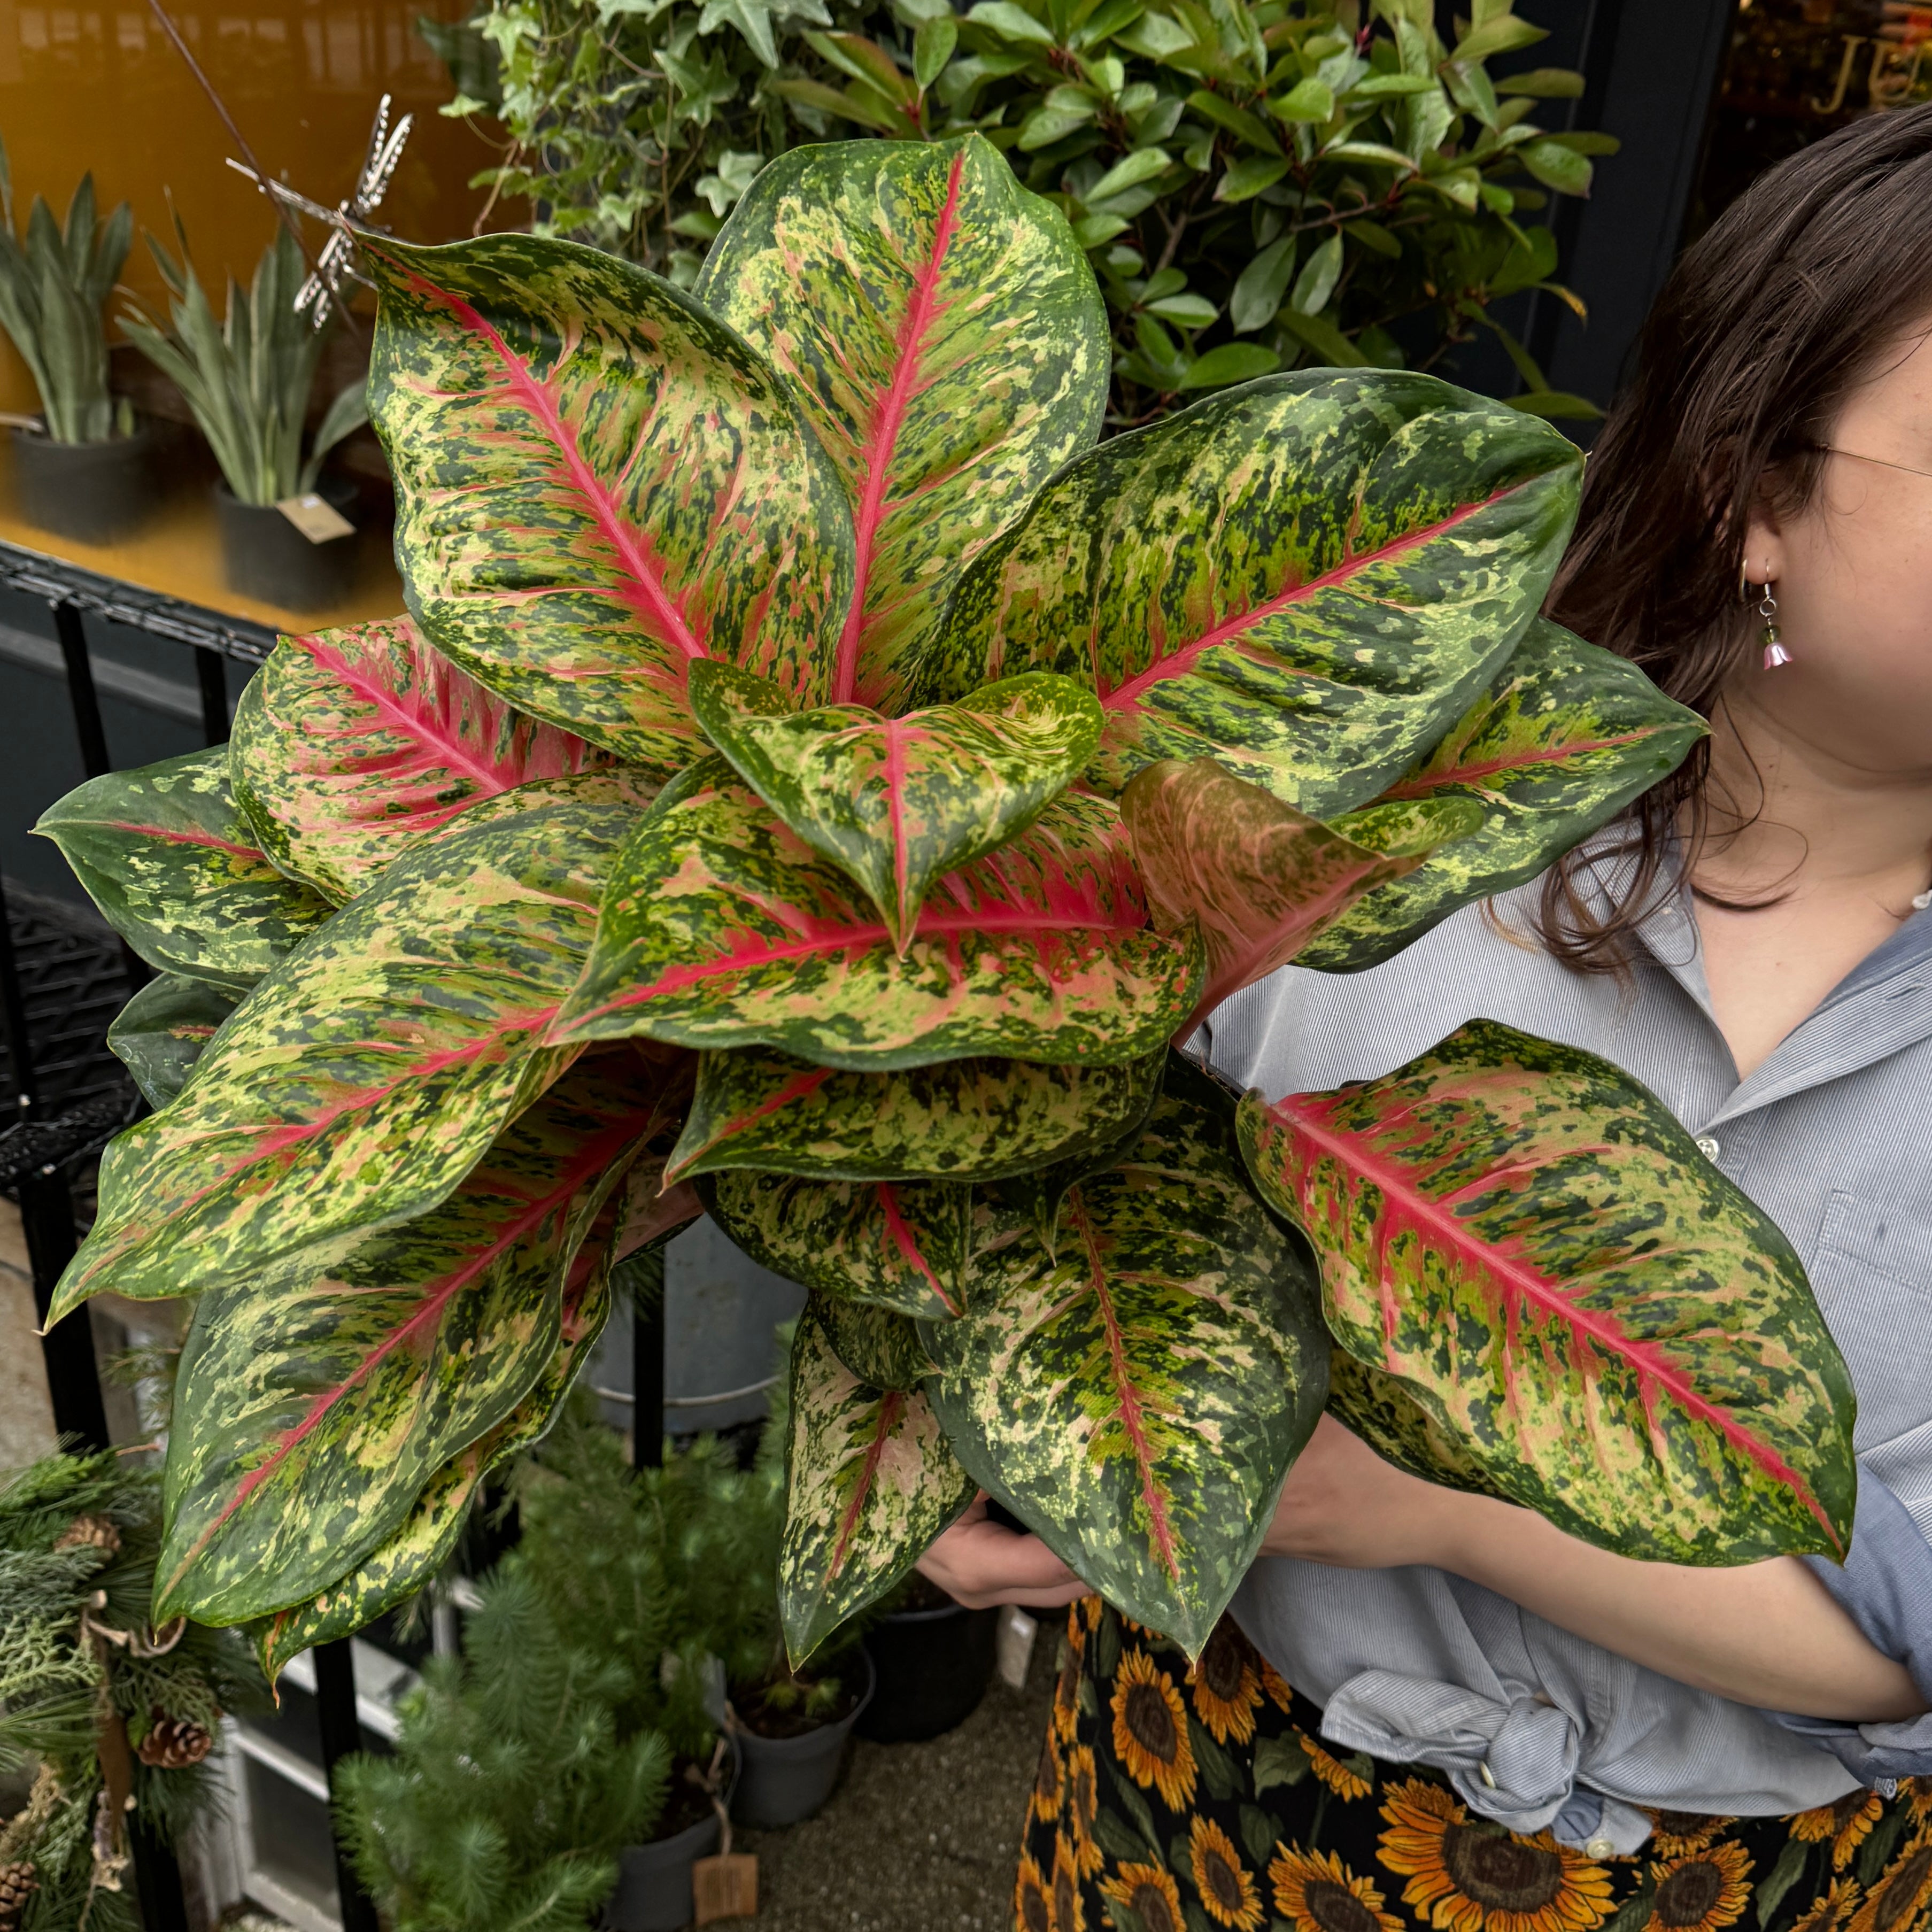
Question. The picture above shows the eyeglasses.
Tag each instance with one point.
(1884, 463)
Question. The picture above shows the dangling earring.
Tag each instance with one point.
(1774, 652)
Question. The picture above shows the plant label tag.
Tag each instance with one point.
(317, 518)
(725, 1887)
(1013, 1644)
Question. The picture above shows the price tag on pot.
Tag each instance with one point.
(317, 518)
(724, 1887)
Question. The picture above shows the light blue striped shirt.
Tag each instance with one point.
(1533, 1726)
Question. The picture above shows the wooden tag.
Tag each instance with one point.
(318, 519)
(725, 1887)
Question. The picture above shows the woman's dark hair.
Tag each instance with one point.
(1766, 325)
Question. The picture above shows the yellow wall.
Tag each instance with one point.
(97, 85)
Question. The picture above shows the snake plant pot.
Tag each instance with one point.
(263, 554)
(92, 492)
(784, 1780)
(653, 1892)
(932, 1661)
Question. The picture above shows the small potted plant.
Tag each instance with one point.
(82, 468)
(248, 380)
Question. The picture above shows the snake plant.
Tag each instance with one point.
(247, 378)
(53, 289)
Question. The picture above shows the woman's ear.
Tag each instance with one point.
(1764, 546)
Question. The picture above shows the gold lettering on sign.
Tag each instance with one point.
(1852, 43)
(1895, 73)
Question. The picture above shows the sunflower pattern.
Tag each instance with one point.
(1172, 1798)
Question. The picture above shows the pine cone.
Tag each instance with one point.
(95, 1530)
(173, 1744)
(16, 1882)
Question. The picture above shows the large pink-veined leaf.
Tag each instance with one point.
(950, 346)
(1255, 878)
(900, 1245)
(598, 484)
(315, 1405)
(721, 928)
(364, 1077)
(350, 745)
(177, 871)
(1308, 577)
(1137, 1396)
(401, 1565)
(869, 1483)
(1615, 1336)
(894, 803)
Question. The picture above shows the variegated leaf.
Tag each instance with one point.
(161, 1033)
(879, 1346)
(177, 871)
(1615, 1335)
(1255, 878)
(1564, 737)
(430, 1533)
(721, 928)
(365, 1077)
(894, 803)
(315, 1405)
(1308, 577)
(949, 344)
(350, 745)
(1380, 1409)
(597, 484)
(961, 1120)
(1138, 1402)
(869, 1483)
(901, 1245)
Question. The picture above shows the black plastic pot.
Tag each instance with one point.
(264, 555)
(653, 1892)
(932, 1667)
(783, 1780)
(93, 492)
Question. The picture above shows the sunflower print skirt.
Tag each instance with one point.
(1177, 1800)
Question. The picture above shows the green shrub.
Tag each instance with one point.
(1259, 184)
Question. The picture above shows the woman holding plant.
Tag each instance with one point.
(1491, 1723)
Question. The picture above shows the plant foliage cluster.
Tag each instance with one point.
(96, 1704)
(818, 779)
(1260, 185)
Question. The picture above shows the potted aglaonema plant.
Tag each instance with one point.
(82, 470)
(818, 770)
(247, 380)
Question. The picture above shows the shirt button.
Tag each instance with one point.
(1599, 1848)
(1708, 1147)
(1488, 1776)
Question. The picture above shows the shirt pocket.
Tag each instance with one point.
(1873, 1277)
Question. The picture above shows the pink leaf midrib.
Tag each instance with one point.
(1522, 1283)
(891, 1406)
(876, 455)
(1426, 784)
(899, 1230)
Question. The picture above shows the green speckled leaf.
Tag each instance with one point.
(961, 1120)
(315, 1405)
(349, 746)
(1564, 737)
(1615, 1335)
(894, 803)
(879, 1346)
(430, 1533)
(596, 485)
(1254, 877)
(869, 1483)
(1380, 1409)
(365, 1078)
(721, 928)
(1138, 1402)
(160, 1034)
(177, 871)
(949, 345)
(1308, 577)
(900, 1245)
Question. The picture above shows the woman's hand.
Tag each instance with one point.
(1343, 1505)
(979, 1563)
